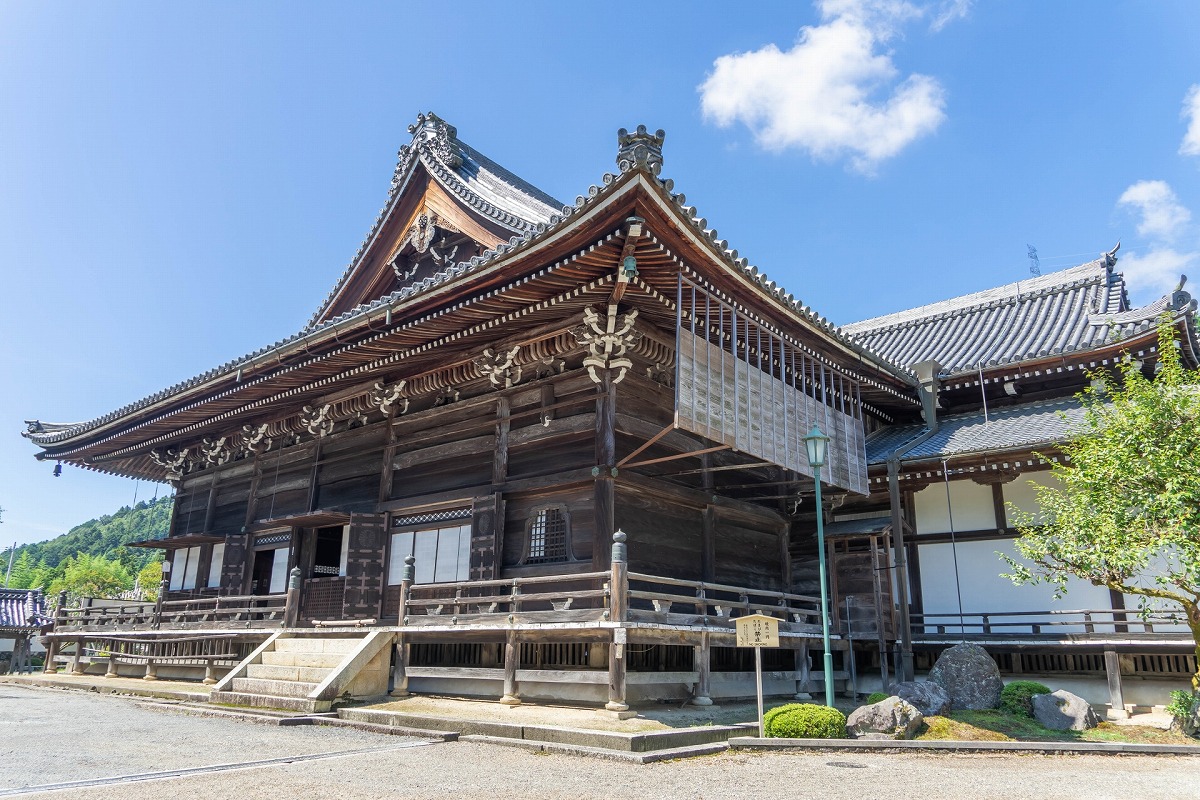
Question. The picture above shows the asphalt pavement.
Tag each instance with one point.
(56, 743)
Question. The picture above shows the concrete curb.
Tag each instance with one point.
(902, 745)
(598, 752)
(681, 739)
(100, 687)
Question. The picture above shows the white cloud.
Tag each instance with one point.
(1191, 112)
(835, 93)
(949, 12)
(1173, 246)
(1162, 217)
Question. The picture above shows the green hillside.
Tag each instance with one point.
(97, 544)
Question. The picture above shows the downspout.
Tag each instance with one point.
(926, 372)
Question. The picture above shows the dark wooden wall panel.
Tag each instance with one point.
(664, 538)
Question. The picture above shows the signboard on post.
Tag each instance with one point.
(757, 631)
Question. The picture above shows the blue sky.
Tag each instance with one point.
(182, 184)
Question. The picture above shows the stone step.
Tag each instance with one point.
(317, 644)
(274, 688)
(270, 701)
(293, 659)
(283, 673)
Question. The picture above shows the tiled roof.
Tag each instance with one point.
(1012, 427)
(21, 609)
(47, 434)
(1075, 309)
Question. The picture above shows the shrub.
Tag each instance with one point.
(806, 721)
(877, 697)
(1017, 697)
(775, 712)
(1183, 705)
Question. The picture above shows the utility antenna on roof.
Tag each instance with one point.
(1035, 266)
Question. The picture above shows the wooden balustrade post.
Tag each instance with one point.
(1088, 627)
(408, 574)
(619, 583)
(291, 607)
(512, 658)
(618, 610)
(987, 623)
(703, 653)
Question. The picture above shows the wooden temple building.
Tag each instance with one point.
(527, 449)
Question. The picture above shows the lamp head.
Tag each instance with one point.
(817, 445)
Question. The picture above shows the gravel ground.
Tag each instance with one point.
(51, 736)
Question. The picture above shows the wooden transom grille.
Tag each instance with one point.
(547, 537)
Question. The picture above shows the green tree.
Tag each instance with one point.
(92, 576)
(150, 578)
(1126, 513)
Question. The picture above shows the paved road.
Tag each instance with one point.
(54, 737)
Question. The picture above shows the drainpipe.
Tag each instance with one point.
(927, 372)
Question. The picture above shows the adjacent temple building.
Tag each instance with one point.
(531, 450)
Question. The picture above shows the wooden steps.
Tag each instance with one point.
(289, 673)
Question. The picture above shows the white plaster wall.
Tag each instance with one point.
(972, 503)
(1021, 493)
(984, 590)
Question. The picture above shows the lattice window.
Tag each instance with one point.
(548, 536)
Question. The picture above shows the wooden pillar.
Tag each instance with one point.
(500, 462)
(512, 658)
(151, 670)
(708, 546)
(400, 668)
(1112, 667)
(802, 671)
(76, 664)
(606, 459)
(785, 555)
(210, 673)
(51, 654)
(703, 653)
(112, 665)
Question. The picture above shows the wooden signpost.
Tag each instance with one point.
(758, 631)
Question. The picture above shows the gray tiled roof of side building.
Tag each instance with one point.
(1029, 425)
(1075, 309)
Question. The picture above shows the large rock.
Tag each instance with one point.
(969, 676)
(926, 696)
(892, 718)
(1063, 711)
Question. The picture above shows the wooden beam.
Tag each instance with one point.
(678, 456)
(649, 443)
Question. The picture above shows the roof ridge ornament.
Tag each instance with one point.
(640, 150)
(433, 135)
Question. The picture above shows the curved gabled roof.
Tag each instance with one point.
(1075, 309)
(479, 182)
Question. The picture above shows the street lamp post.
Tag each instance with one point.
(817, 444)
